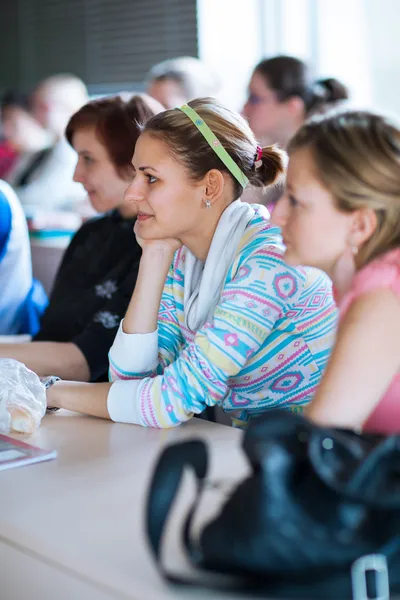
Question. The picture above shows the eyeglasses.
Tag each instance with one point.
(255, 99)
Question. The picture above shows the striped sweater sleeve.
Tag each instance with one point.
(134, 356)
(249, 307)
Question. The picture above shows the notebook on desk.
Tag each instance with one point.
(14, 453)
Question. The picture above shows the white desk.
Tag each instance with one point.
(72, 528)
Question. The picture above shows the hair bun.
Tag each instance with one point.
(332, 89)
(270, 166)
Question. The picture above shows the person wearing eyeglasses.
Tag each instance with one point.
(283, 94)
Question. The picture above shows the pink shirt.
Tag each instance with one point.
(384, 272)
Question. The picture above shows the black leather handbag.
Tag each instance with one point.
(318, 517)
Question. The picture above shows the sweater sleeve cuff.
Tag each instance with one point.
(123, 402)
(134, 353)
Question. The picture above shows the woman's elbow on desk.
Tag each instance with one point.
(118, 401)
(104, 400)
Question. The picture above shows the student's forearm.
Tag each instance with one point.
(87, 398)
(50, 358)
(142, 313)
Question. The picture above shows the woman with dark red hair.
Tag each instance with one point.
(94, 283)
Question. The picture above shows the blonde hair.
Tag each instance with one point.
(357, 157)
(189, 147)
(65, 89)
(191, 74)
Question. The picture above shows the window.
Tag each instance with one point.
(321, 32)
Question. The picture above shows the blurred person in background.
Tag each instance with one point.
(178, 80)
(21, 132)
(94, 283)
(8, 157)
(22, 300)
(282, 95)
(47, 180)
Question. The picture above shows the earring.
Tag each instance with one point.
(354, 250)
(208, 204)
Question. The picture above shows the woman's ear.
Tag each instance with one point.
(214, 186)
(364, 225)
(296, 106)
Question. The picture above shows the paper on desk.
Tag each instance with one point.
(14, 453)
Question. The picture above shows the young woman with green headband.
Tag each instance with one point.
(216, 317)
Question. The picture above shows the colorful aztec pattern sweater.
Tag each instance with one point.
(266, 346)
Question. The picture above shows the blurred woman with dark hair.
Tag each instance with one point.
(94, 283)
(283, 94)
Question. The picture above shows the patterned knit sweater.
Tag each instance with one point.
(266, 346)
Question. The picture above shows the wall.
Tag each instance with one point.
(110, 44)
(356, 41)
(383, 25)
(342, 47)
(230, 44)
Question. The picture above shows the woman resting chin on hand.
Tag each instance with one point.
(216, 317)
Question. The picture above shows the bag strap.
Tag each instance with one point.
(164, 486)
(166, 480)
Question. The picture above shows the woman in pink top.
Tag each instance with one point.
(341, 213)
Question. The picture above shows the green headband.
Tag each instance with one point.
(215, 144)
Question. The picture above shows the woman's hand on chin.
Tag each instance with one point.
(166, 245)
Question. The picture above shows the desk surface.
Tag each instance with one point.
(81, 515)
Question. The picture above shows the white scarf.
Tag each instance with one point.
(204, 282)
